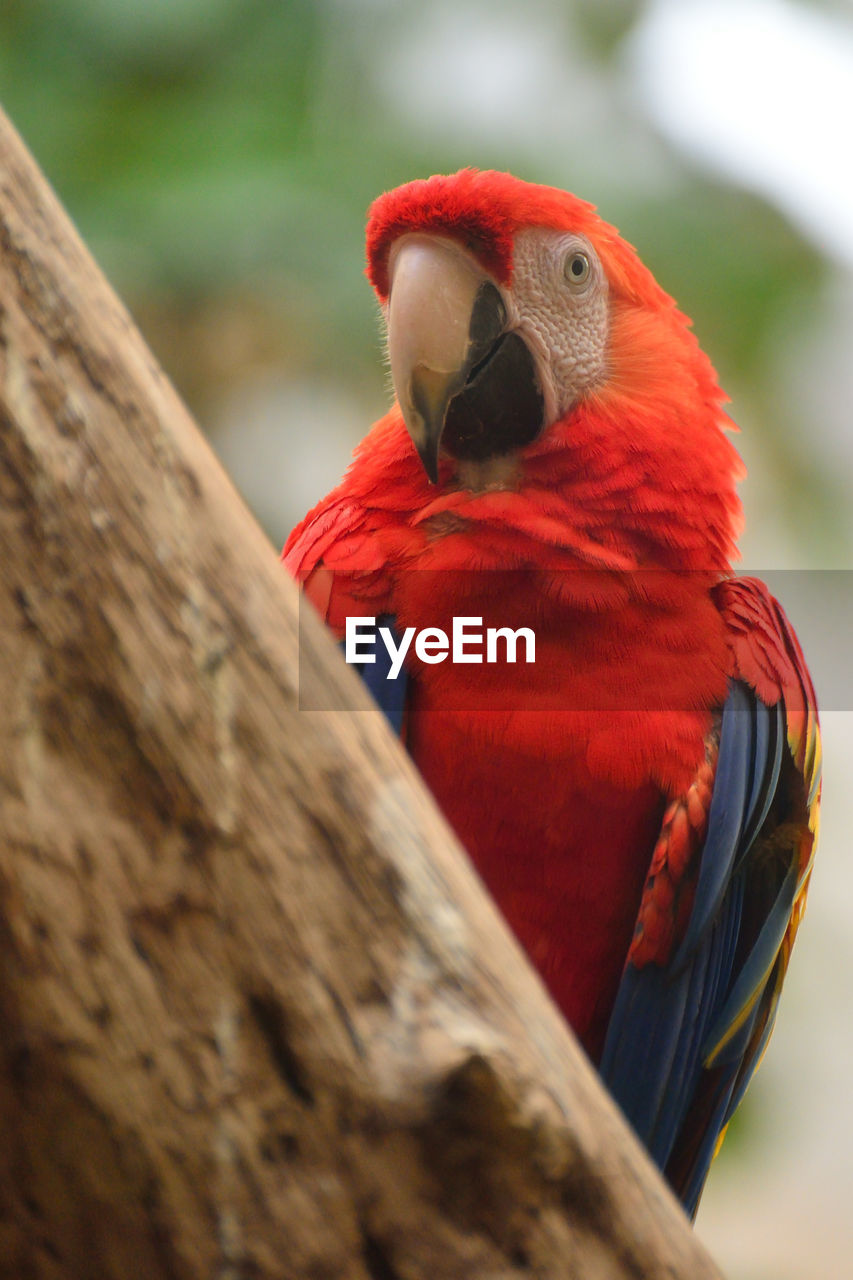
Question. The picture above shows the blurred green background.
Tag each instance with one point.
(218, 157)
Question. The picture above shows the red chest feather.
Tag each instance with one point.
(555, 774)
(566, 870)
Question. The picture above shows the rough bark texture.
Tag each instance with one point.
(257, 1017)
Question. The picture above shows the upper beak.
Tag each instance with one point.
(444, 316)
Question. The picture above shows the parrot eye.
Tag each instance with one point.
(576, 268)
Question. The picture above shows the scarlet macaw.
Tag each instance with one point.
(642, 799)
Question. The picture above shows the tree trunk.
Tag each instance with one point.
(257, 1015)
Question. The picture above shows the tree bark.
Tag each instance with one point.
(257, 1015)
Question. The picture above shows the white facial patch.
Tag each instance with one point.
(558, 304)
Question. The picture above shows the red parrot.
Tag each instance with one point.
(641, 798)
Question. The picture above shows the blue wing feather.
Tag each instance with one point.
(770, 744)
(735, 765)
(639, 1067)
(685, 1037)
(755, 970)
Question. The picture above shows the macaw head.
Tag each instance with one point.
(515, 317)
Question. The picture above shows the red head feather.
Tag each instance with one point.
(484, 209)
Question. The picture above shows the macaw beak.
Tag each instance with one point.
(453, 362)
